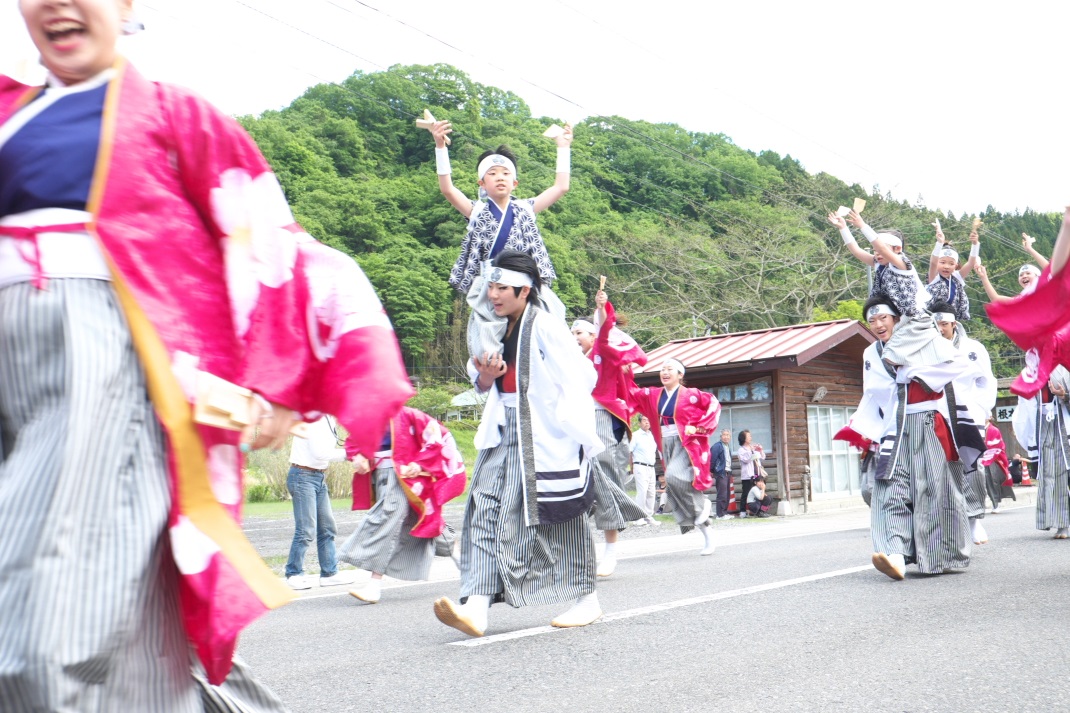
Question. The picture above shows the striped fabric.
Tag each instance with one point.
(973, 490)
(94, 625)
(686, 502)
(1053, 489)
(507, 560)
(919, 510)
(383, 543)
(613, 509)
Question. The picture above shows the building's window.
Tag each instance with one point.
(834, 466)
(754, 417)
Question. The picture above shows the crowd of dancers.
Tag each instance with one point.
(130, 211)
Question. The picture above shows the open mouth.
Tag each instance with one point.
(63, 30)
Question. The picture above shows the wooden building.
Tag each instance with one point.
(793, 388)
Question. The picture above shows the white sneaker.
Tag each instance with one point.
(705, 514)
(651, 521)
(980, 537)
(995, 511)
(338, 578)
(585, 611)
(743, 514)
(639, 523)
(607, 566)
(298, 582)
(726, 516)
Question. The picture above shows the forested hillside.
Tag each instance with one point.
(695, 234)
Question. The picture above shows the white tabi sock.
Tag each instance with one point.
(610, 552)
(707, 535)
(584, 611)
(477, 609)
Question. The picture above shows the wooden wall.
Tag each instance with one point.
(839, 372)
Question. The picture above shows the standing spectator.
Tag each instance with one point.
(757, 501)
(721, 467)
(749, 456)
(307, 483)
(644, 450)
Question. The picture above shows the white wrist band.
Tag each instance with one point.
(564, 159)
(869, 232)
(848, 238)
(975, 250)
(442, 161)
(936, 250)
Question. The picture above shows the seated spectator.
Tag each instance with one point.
(757, 501)
(1016, 469)
(663, 505)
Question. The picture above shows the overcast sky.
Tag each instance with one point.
(961, 103)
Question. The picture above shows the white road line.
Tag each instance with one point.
(630, 613)
(455, 574)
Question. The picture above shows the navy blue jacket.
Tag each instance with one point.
(717, 461)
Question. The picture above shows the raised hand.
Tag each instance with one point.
(440, 131)
(837, 220)
(565, 139)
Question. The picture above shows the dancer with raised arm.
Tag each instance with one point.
(499, 221)
(144, 244)
(525, 539)
(612, 352)
(686, 419)
(915, 339)
(947, 276)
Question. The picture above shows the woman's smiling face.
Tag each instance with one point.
(76, 38)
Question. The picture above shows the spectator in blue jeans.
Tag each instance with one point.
(307, 483)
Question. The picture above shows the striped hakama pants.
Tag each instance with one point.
(88, 587)
(687, 503)
(506, 559)
(383, 543)
(1053, 486)
(974, 490)
(919, 510)
(613, 509)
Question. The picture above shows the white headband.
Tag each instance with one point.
(949, 252)
(880, 309)
(585, 326)
(944, 317)
(890, 240)
(675, 364)
(1029, 268)
(511, 278)
(495, 159)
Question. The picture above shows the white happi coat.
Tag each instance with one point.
(558, 435)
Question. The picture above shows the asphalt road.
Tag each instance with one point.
(786, 615)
